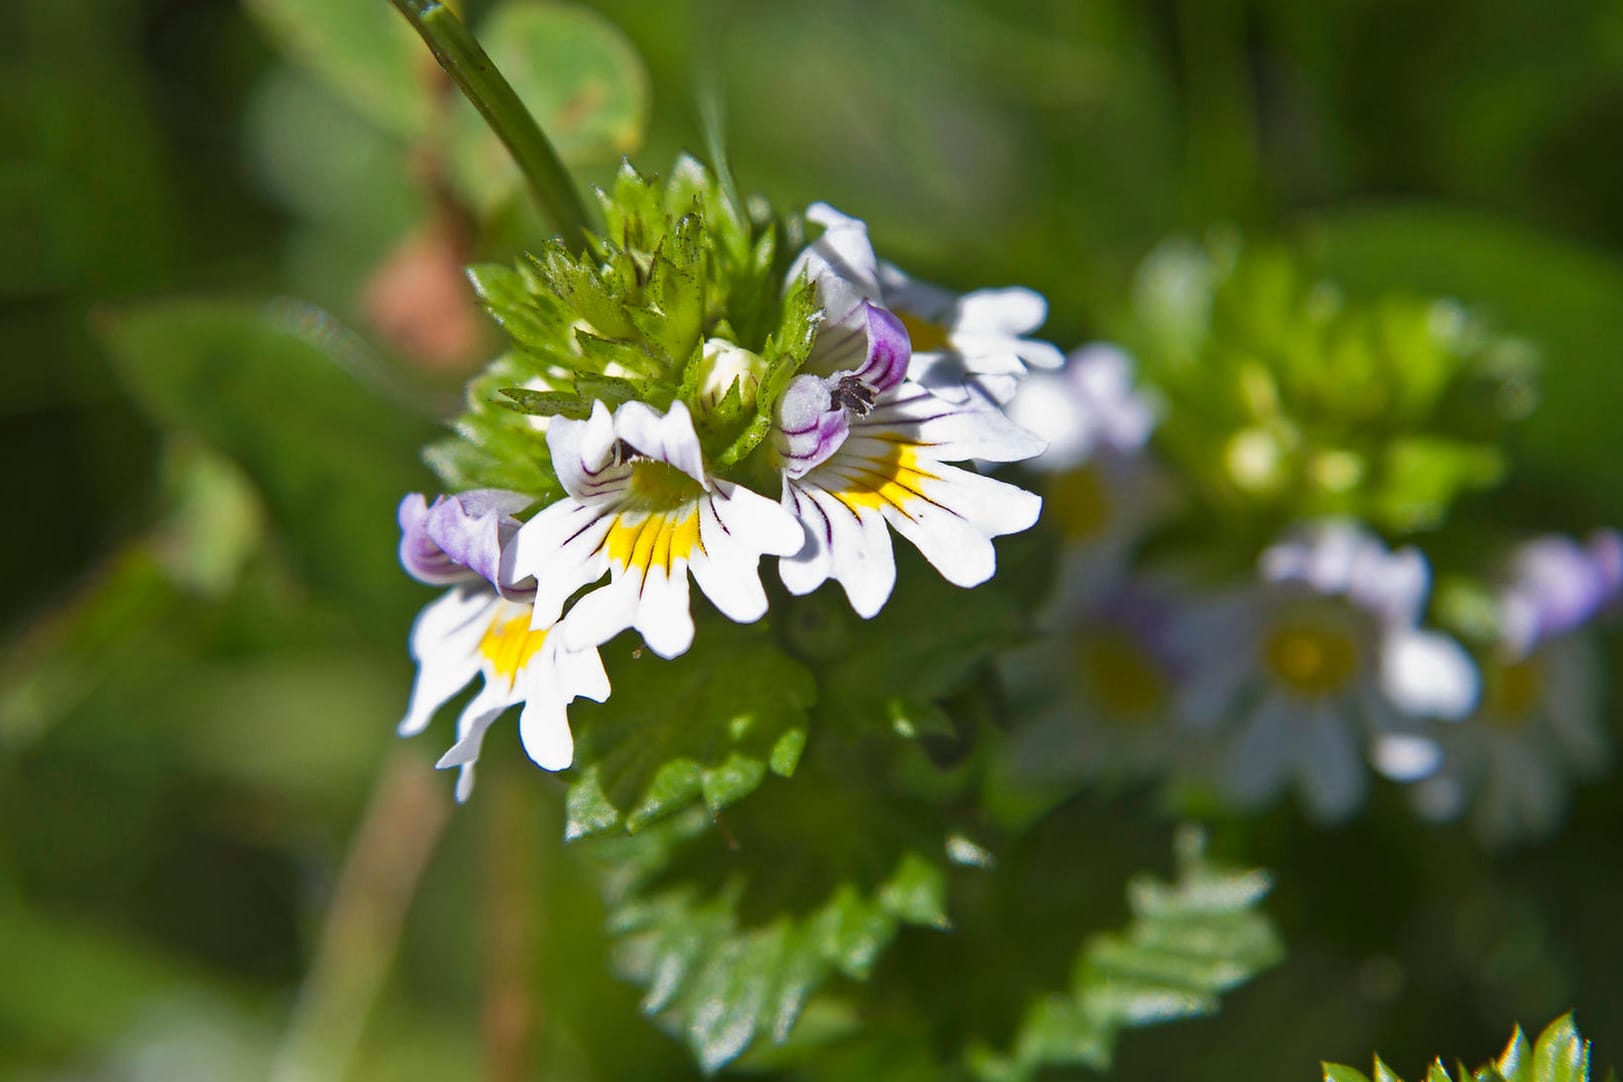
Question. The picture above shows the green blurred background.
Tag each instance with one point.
(204, 623)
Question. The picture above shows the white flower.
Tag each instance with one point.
(1538, 723)
(1101, 687)
(973, 344)
(1086, 409)
(889, 469)
(863, 450)
(1321, 657)
(1537, 728)
(473, 631)
(642, 508)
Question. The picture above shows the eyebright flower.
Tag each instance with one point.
(963, 345)
(642, 508)
(1538, 727)
(1538, 724)
(482, 627)
(861, 447)
(1102, 686)
(1321, 656)
(473, 631)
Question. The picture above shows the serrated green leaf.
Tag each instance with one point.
(706, 724)
(723, 982)
(579, 77)
(365, 51)
(1383, 1073)
(1560, 1054)
(786, 753)
(916, 892)
(586, 809)
(1437, 1073)
(547, 403)
(1186, 943)
(1336, 1072)
(1516, 1061)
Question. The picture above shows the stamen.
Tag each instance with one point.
(853, 396)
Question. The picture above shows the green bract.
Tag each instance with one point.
(677, 264)
(1289, 400)
(1559, 1055)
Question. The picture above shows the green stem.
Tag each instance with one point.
(466, 63)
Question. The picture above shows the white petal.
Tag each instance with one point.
(664, 616)
(901, 293)
(667, 437)
(580, 449)
(1405, 756)
(1045, 406)
(445, 643)
(543, 727)
(562, 547)
(945, 431)
(811, 565)
(1330, 769)
(1258, 763)
(850, 545)
(736, 527)
(1011, 311)
(579, 674)
(753, 522)
(1426, 674)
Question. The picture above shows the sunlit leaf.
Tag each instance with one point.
(365, 51)
(706, 726)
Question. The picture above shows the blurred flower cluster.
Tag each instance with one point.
(1272, 578)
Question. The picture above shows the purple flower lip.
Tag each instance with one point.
(460, 537)
(889, 350)
(812, 423)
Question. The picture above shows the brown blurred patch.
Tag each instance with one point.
(419, 302)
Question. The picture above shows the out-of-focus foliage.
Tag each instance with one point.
(204, 618)
(1294, 402)
(1188, 942)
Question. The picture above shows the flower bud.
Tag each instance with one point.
(724, 364)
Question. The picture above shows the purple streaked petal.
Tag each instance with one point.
(421, 556)
(472, 528)
(810, 426)
(581, 449)
(888, 350)
(664, 437)
(461, 537)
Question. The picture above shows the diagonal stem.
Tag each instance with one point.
(466, 63)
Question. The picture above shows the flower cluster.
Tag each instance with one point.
(1190, 639)
(685, 407)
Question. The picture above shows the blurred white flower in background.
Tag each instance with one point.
(1320, 662)
(1538, 726)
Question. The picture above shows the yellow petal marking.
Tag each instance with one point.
(509, 644)
(896, 480)
(1309, 659)
(655, 539)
